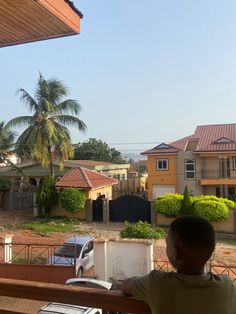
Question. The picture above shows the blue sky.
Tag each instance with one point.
(143, 71)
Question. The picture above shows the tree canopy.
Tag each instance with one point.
(7, 138)
(96, 149)
(46, 130)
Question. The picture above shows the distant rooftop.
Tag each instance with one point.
(83, 178)
(208, 138)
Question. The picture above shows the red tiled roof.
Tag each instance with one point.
(209, 134)
(207, 137)
(84, 179)
(159, 149)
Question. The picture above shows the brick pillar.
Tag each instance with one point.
(105, 205)
(153, 214)
(89, 210)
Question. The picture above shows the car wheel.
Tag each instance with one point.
(80, 272)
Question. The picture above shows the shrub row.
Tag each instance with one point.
(210, 207)
(142, 230)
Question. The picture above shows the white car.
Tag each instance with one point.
(89, 283)
(61, 308)
(78, 250)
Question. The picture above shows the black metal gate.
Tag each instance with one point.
(130, 208)
(98, 209)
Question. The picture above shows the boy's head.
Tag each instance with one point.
(190, 243)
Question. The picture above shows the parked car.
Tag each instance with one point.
(76, 250)
(89, 283)
(61, 308)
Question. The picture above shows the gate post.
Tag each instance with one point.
(153, 214)
(89, 210)
(105, 207)
(7, 253)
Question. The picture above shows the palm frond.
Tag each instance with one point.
(26, 98)
(62, 129)
(69, 106)
(7, 137)
(57, 90)
(70, 121)
(22, 146)
(18, 122)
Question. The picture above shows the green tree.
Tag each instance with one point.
(187, 203)
(46, 195)
(46, 130)
(95, 149)
(7, 138)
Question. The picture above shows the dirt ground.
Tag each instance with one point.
(225, 254)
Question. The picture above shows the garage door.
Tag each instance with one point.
(158, 190)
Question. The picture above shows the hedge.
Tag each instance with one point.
(226, 201)
(211, 210)
(72, 199)
(208, 206)
(169, 204)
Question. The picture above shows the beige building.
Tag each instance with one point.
(205, 162)
(113, 170)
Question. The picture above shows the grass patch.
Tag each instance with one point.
(47, 226)
(226, 241)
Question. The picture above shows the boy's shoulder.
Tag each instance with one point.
(207, 278)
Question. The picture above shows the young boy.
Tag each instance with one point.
(189, 244)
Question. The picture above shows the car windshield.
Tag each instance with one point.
(68, 250)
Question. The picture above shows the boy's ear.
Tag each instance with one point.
(175, 253)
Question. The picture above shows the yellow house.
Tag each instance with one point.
(205, 162)
(162, 175)
(92, 183)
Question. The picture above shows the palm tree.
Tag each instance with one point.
(46, 130)
(6, 142)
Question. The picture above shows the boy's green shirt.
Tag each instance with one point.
(172, 293)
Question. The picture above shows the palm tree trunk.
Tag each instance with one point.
(51, 162)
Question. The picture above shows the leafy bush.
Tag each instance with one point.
(5, 184)
(232, 197)
(46, 194)
(211, 210)
(72, 199)
(226, 201)
(169, 204)
(142, 230)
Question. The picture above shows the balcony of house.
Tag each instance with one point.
(106, 300)
(218, 177)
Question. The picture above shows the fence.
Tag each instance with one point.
(217, 269)
(41, 262)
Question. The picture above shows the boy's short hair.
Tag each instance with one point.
(194, 232)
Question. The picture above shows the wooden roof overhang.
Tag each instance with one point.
(23, 21)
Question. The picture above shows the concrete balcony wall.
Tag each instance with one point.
(193, 185)
(120, 259)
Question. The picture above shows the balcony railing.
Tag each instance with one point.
(97, 298)
(215, 174)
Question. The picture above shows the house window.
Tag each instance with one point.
(190, 169)
(162, 164)
(234, 165)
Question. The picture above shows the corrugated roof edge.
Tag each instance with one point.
(73, 7)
